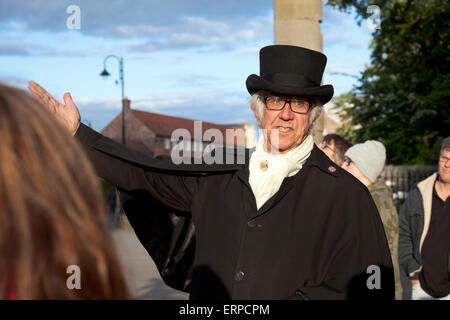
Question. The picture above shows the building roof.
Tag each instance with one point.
(164, 125)
(135, 144)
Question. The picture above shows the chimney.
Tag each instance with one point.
(126, 104)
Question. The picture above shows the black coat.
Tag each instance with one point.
(314, 239)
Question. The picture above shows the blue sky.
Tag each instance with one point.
(182, 58)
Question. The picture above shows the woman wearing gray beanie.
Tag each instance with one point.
(366, 161)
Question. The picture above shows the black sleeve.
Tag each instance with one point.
(371, 271)
(362, 266)
(117, 167)
(405, 242)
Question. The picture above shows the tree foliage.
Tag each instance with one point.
(403, 97)
(347, 130)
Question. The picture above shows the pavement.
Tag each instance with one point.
(141, 274)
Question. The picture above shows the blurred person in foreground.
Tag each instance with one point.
(366, 162)
(279, 225)
(424, 243)
(51, 210)
(335, 146)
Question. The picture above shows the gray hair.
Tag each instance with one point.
(445, 144)
(260, 107)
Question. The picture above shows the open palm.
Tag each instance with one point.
(68, 114)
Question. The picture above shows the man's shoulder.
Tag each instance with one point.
(331, 175)
(383, 198)
(319, 161)
(380, 189)
(426, 186)
(414, 192)
(414, 201)
(418, 189)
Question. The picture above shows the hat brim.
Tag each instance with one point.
(323, 93)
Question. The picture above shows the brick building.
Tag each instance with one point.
(151, 133)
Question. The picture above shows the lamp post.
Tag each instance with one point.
(105, 73)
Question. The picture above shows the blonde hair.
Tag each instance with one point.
(52, 211)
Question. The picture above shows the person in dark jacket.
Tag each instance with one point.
(283, 223)
(424, 235)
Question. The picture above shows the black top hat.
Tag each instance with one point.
(291, 70)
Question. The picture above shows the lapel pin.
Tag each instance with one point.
(331, 169)
(263, 165)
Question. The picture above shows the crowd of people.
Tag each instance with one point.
(301, 222)
(419, 235)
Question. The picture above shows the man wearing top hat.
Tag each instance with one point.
(286, 224)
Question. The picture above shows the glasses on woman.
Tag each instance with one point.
(347, 161)
(301, 106)
(324, 145)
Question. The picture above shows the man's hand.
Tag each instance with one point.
(68, 114)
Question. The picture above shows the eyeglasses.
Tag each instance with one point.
(444, 159)
(347, 161)
(324, 145)
(278, 103)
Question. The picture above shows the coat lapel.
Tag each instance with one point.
(285, 187)
(248, 196)
(317, 159)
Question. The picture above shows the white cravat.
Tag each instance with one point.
(267, 171)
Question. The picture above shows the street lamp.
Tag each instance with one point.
(105, 73)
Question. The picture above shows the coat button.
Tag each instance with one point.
(251, 224)
(239, 276)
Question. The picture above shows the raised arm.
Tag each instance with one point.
(114, 163)
(68, 114)
(118, 164)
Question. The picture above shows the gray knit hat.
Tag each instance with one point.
(369, 157)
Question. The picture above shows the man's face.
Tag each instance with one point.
(328, 149)
(291, 128)
(444, 166)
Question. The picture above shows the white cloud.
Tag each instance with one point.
(142, 26)
(104, 15)
(13, 81)
(341, 29)
(202, 33)
(246, 50)
(229, 107)
(7, 49)
(98, 104)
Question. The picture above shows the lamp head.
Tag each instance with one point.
(104, 73)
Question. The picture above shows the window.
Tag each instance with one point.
(187, 145)
(167, 143)
(198, 146)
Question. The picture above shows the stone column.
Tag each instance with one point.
(297, 22)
